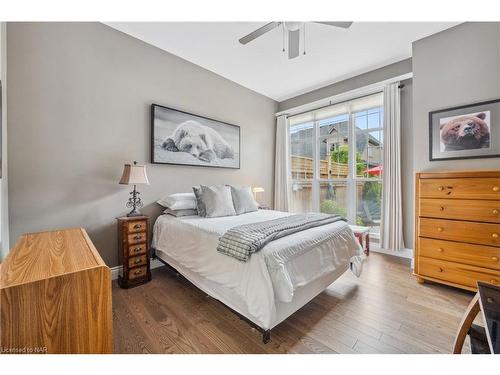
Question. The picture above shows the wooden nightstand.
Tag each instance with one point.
(133, 250)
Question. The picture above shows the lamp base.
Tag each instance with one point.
(134, 212)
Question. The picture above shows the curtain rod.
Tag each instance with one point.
(345, 96)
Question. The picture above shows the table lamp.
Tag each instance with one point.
(134, 175)
(256, 190)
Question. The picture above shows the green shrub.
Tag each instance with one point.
(329, 206)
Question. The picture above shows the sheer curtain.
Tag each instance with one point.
(282, 166)
(392, 217)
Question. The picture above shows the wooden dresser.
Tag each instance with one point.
(133, 250)
(457, 228)
(55, 295)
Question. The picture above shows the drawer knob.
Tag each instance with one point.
(494, 259)
(137, 261)
(137, 272)
(494, 235)
(440, 229)
(137, 226)
(137, 236)
(441, 208)
(494, 281)
(137, 249)
(441, 188)
(440, 269)
(490, 300)
(495, 211)
(440, 249)
(496, 188)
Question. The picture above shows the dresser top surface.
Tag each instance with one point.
(38, 256)
(459, 174)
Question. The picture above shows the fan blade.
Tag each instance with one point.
(293, 43)
(344, 25)
(260, 31)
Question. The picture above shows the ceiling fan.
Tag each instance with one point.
(293, 29)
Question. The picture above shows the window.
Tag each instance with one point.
(337, 160)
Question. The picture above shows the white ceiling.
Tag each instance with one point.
(332, 54)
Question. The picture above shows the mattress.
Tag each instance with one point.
(269, 281)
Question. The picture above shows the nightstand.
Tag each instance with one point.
(133, 250)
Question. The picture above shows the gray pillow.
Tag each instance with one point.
(200, 206)
(218, 201)
(243, 200)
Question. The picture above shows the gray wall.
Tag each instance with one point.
(78, 102)
(455, 67)
(374, 76)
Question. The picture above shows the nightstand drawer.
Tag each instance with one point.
(137, 261)
(135, 238)
(135, 250)
(135, 273)
(136, 226)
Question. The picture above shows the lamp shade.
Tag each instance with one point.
(258, 189)
(134, 175)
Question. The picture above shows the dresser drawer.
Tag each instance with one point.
(136, 226)
(137, 261)
(138, 249)
(461, 209)
(460, 231)
(135, 273)
(456, 273)
(136, 238)
(477, 255)
(465, 188)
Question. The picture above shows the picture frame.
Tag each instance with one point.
(183, 138)
(469, 131)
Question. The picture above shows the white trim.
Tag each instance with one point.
(115, 271)
(405, 253)
(348, 95)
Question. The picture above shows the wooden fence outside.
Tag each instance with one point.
(302, 168)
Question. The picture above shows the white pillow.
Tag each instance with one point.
(179, 201)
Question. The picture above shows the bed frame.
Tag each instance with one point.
(266, 333)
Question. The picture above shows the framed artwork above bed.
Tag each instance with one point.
(183, 138)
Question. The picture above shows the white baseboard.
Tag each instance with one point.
(115, 271)
(405, 253)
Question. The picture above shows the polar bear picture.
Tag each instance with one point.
(183, 138)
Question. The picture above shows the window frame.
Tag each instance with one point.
(352, 178)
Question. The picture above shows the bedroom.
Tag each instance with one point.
(327, 135)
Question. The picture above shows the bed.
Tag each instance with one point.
(275, 282)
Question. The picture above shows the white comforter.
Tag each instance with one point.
(275, 272)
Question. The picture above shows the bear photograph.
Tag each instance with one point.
(182, 138)
(465, 132)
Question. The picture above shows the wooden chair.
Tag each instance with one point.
(483, 340)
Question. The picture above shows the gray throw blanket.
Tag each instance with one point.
(242, 241)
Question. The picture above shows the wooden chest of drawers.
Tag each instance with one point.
(55, 296)
(457, 228)
(133, 251)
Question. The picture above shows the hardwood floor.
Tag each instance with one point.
(384, 311)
